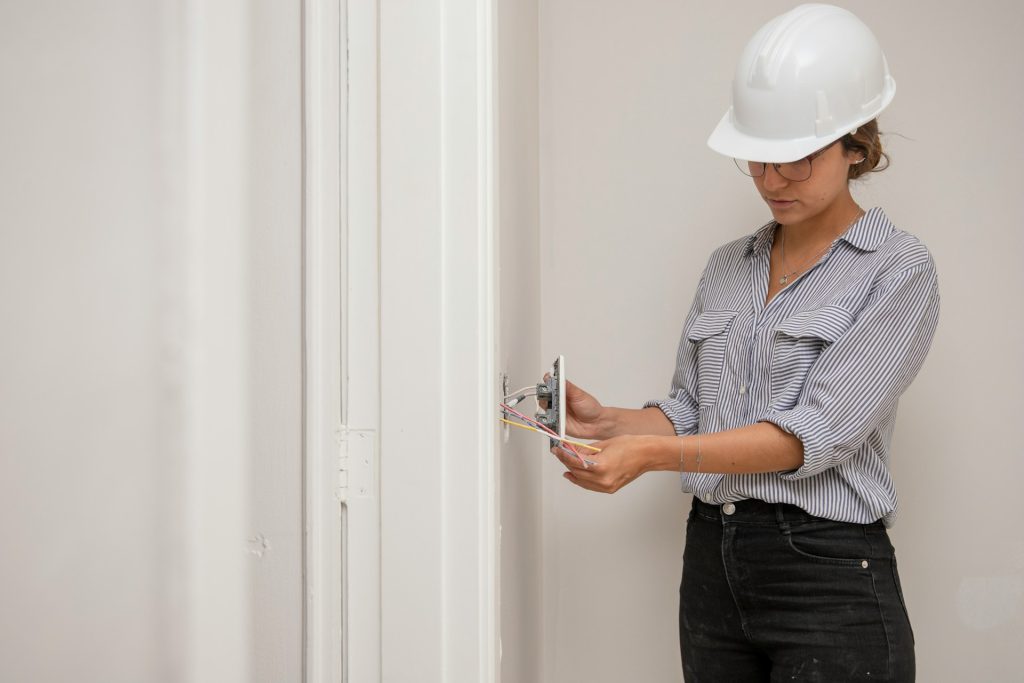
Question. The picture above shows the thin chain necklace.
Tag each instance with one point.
(784, 280)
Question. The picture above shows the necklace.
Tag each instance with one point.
(784, 280)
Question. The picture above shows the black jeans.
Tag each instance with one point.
(771, 593)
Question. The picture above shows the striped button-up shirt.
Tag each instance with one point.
(826, 360)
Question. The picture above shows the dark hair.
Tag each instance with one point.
(868, 143)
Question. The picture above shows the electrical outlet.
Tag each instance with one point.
(553, 393)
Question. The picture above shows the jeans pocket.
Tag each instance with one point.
(828, 542)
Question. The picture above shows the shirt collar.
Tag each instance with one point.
(867, 233)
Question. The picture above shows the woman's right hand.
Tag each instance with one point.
(584, 414)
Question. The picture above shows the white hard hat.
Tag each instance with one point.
(807, 78)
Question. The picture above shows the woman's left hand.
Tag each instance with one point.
(621, 460)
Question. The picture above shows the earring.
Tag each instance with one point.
(859, 161)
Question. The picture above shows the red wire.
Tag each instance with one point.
(547, 429)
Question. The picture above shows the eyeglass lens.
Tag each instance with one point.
(792, 170)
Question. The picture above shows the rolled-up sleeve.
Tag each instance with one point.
(681, 407)
(853, 387)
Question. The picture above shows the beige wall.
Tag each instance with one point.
(632, 203)
(84, 530)
(93, 286)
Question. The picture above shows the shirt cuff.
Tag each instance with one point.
(810, 426)
(682, 416)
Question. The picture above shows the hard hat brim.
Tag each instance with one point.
(728, 140)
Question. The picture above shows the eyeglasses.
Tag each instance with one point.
(796, 171)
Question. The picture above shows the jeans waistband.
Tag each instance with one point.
(753, 511)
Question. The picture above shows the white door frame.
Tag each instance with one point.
(400, 306)
(324, 142)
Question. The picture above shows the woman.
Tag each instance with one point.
(800, 340)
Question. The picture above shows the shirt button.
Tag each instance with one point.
(743, 388)
(728, 508)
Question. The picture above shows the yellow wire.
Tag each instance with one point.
(534, 429)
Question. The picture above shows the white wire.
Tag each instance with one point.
(527, 388)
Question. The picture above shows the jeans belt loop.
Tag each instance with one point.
(780, 516)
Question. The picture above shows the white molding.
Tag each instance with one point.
(439, 483)
(361, 344)
(342, 571)
(470, 369)
(322, 304)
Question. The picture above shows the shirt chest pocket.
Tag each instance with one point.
(710, 333)
(798, 342)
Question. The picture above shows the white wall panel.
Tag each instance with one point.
(438, 371)
(85, 529)
(124, 402)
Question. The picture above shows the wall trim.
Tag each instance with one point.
(439, 479)
(322, 241)
(400, 311)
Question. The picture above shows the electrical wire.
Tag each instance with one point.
(523, 390)
(529, 420)
(512, 399)
(562, 440)
(547, 430)
(566, 444)
(586, 462)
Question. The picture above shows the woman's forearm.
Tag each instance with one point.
(620, 421)
(760, 447)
